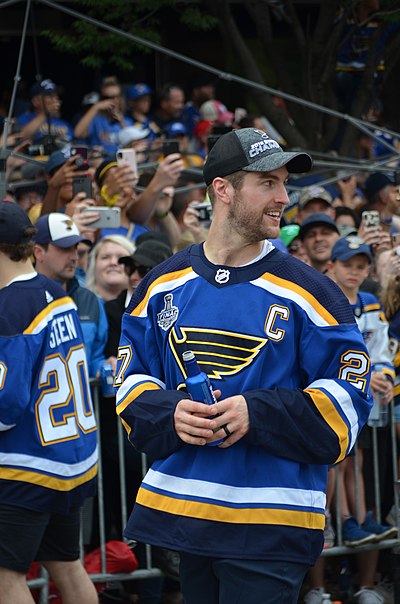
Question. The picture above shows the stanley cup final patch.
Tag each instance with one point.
(169, 313)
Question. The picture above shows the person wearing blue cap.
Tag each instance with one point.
(43, 120)
(138, 97)
(178, 131)
(318, 234)
(349, 266)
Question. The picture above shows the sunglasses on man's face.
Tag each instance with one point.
(132, 268)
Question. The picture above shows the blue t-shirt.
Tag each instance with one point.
(104, 132)
(59, 128)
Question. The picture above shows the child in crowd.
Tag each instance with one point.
(349, 266)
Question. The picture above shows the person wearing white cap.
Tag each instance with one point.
(56, 255)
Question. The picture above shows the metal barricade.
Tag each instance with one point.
(390, 544)
(148, 572)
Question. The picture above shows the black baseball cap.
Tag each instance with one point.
(317, 219)
(251, 150)
(375, 183)
(13, 223)
(149, 253)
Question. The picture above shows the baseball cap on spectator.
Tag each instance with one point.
(58, 229)
(215, 111)
(148, 253)
(176, 129)
(31, 171)
(202, 128)
(91, 98)
(315, 192)
(13, 223)
(288, 233)
(102, 170)
(347, 247)
(131, 134)
(317, 219)
(375, 183)
(137, 90)
(45, 87)
(57, 159)
(251, 150)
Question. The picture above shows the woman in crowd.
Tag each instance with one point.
(105, 276)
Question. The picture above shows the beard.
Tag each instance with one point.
(250, 223)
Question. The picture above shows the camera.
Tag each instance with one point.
(40, 149)
(205, 212)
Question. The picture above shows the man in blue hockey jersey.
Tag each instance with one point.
(48, 443)
(291, 373)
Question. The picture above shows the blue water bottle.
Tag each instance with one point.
(198, 385)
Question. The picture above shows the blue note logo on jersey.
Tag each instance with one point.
(218, 352)
(169, 313)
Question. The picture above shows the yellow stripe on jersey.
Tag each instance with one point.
(371, 307)
(219, 513)
(48, 310)
(300, 291)
(44, 480)
(396, 390)
(134, 393)
(332, 417)
(389, 372)
(162, 279)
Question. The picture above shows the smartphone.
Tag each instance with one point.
(82, 184)
(205, 212)
(170, 147)
(81, 154)
(396, 240)
(127, 157)
(109, 217)
(371, 218)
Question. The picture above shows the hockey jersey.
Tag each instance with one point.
(48, 441)
(374, 328)
(285, 337)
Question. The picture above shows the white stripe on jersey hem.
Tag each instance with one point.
(343, 398)
(235, 495)
(4, 427)
(134, 380)
(58, 310)
(168, 286)
(284, 292)
(46, 466)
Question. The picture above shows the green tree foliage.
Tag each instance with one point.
(143, 19)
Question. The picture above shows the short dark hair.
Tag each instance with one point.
(19, 252)
(236, 180)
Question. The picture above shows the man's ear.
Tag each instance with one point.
(222, 188)
(38, 252)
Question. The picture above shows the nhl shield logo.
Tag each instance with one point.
(169, 313)
(222, 275)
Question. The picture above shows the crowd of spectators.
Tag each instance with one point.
(162, 208)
